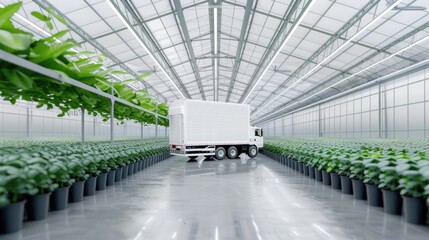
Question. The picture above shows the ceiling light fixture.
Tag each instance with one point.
(332, 54)
(215, 49)
(134, 33)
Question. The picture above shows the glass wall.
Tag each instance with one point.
(24, 120)
(398, 108)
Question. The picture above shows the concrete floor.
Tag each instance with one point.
(228, 199)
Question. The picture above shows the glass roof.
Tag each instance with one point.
(269, 54)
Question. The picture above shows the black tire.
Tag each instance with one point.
(252, 151)
(193, 157)
(232, 152)
(220, 153)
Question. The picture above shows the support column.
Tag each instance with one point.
(293, 127)
(93, 126)
(28, 122)
(141, 131)
(112, 114)
(156, 122)
(379, 111)
(82, 126)
(320, 122)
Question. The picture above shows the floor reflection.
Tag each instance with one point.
(229, 199)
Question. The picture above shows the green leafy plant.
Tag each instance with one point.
(43, 168)
(60, 56)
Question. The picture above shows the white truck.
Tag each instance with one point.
(204, 128)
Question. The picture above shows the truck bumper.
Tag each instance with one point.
(191, 151)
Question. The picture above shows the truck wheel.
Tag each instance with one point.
(193, 157)
(220, 153)
(252, 151)
(232, 152)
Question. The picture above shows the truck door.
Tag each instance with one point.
(259, 136)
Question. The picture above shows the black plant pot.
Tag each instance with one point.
(359, 190)
(136, 166)
(37, 206)
(101, 182)
(346, 185)
(311, 172)
(415, 210)
(139, 167)
(335, 180)
(125, 171)
(59, 199)
(118, 174)
(287, 162)
(326, 177)
(375, 197)
(392, 202)
(296, 166)
(306, 171)
(302, 166)
(318, 174)
(11, 217)
(130, 169)
(90, 185)
(110, 178)
(76, 192)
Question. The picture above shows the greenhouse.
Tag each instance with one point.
(214, 119)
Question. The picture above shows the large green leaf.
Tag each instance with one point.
(7, 12)
(18, 78)
(40, 16)
(15, 41)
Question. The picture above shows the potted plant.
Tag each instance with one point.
(60, 174)
(91, 168)
(357, 175)
(389, 184)
(103, 169)
(13, 187)
(344, 172)
(79, 175)
(412, 185)
(111, 163)
(40, 179)
(332, 169)
(371, 180)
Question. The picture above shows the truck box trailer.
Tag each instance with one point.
(204, 128)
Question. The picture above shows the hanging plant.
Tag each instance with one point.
(20, 83)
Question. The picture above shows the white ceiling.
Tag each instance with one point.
(291, 76)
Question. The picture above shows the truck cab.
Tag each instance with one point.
(257, 137)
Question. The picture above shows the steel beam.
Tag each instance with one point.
(313, 29)
(127, 11)
(240, 47)
(365, 60)
(183, 29)
(82, 125)
(325, 49)
(282, 33)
